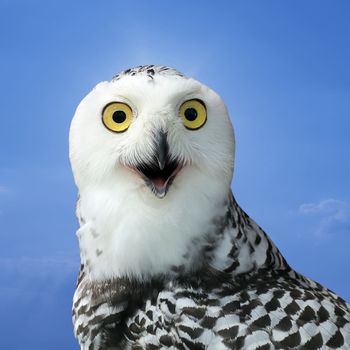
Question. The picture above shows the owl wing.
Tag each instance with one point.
(97, 312)
(268, 312)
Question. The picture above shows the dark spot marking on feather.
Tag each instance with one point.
(231, 307)
(190, 294)
(272, 305)
(279, 293)
(94, 233)
(142, 322)
(268, 259)
(292, 341)
(339, 311)
(213, 302)
(149, 314)
(229, 343)
(230, 332)
(341, 321)
(336, 341)
(166, 340)
(295, 294)
(150, 329)
(98, 252)
(244, 296)
(285, 324)
(232, 267)
(192, 332)
(315, 342)
(82, 220)
(194, 311)
(134, 328)
(169, 304)
(263, 347)
(292, 308)
(192, 345)
(247, 309)
(308, 295)
(257, 240)
(152, 347)
(239, 344)
(322, 314)
(208, 322)
(308, 314)
(262, 322)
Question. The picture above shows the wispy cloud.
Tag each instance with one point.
(33, 276)
(4, 189)
(59, 263)
(333, 216)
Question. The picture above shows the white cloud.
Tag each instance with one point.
(333, 216)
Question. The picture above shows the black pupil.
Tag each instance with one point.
(190, 114)
(119, 116)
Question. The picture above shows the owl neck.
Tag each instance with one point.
(241, 246)
(116, 241)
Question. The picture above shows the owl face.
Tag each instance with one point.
(153, 135)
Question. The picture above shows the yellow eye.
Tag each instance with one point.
(193, 114)
(117, 116)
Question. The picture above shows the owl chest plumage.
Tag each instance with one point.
(244, 297)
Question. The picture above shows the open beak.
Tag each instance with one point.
(162, 170)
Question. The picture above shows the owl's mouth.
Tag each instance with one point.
(157, 179)
(160, 171)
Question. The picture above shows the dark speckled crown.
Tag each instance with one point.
(149, 70)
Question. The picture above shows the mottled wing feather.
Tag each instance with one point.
(97, 312)
(269, 314)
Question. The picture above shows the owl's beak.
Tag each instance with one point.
(162, 149)
(160, 173)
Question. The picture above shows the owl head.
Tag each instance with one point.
(154, 131)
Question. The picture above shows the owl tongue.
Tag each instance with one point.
(159, 179)
(159, 182)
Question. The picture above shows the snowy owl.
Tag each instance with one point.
(168, 258)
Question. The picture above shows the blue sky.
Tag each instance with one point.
(281, 66)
